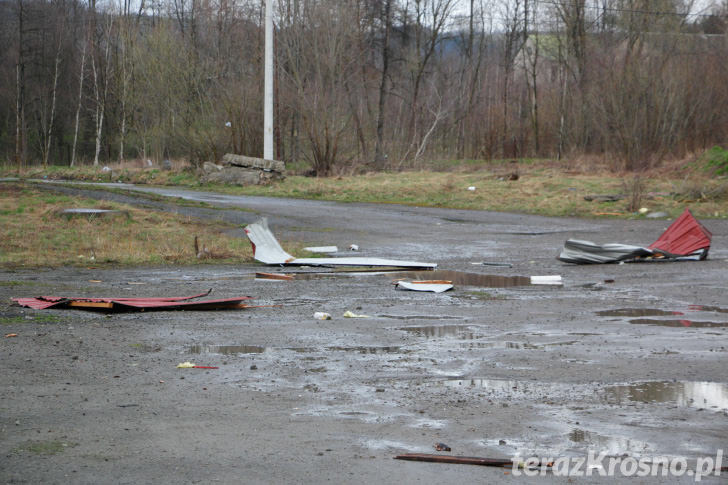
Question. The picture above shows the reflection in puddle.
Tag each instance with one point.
(710, 395)
(359, 349)
(677, 323)
(436, 331)
(611, 445)
(636, 312)
(702, 308)
(492, 384)
(419, 317)
(512, 345)
(461, 278)
(225, 349)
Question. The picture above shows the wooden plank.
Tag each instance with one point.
(92, 304)
(456, 460)
(274, 276)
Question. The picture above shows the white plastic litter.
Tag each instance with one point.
(547, 280)
(266, 249)
(431, 287)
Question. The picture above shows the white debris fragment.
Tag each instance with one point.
(322, 249)
(547, 280)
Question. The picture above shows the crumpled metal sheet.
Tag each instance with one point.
(587, 252)
(685, 240)
(133, 304)
(266, 249)
(431, 287)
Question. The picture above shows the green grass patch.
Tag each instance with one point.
(715, 160)
(52, 447)
(16, 320)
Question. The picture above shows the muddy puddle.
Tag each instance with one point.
(458, 278)
(225, 349)
(669, 322)
(513, 345)
(704, 395)
(694, 394)
(612, 445)
(637, 312)
(438, 331)
(461, 278)
(677, 323)
(255, 349)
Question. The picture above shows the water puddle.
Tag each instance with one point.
(225, 349)
(637, 312)
(461, 278)
(677, 323)
(458, 278)
(611, 445)
(703, 308)
(419, 317)
(438, 331)
(694, 394)
(513, 345)
(358, 349)
(704, 395)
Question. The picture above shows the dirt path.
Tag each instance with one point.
(500, 371)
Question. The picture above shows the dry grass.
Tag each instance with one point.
(34, 234)
(545, 187)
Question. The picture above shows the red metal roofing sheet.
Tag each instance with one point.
(684, 236)
(164, 303)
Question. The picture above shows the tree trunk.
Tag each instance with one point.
(379, 158)
(47, 147)
(20, 95)
(80, 100)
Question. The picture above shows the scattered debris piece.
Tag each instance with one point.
(322, 316)
(442, 447)
(94, 281)
(609, 280)
(547, 280)
(471, 188)
(133, 304)
(353, 247)
(421, 286)
(322, 249)
(11, 335)
(493, 263)
(643, 210)
(190, 365)
(266, 249)
(657, 215)
(685, 240)
(349, 314)
(274, 276)
(604, 198)
(92, 213)
(456, 460)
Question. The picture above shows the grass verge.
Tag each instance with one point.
(529, 186)
(35, 234)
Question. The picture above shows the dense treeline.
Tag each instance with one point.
(361, 83)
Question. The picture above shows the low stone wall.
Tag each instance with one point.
(242, 170)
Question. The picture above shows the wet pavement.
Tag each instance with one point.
(494, 368)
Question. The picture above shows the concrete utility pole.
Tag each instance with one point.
(268, 91)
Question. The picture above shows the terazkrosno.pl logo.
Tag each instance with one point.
(600, 465)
